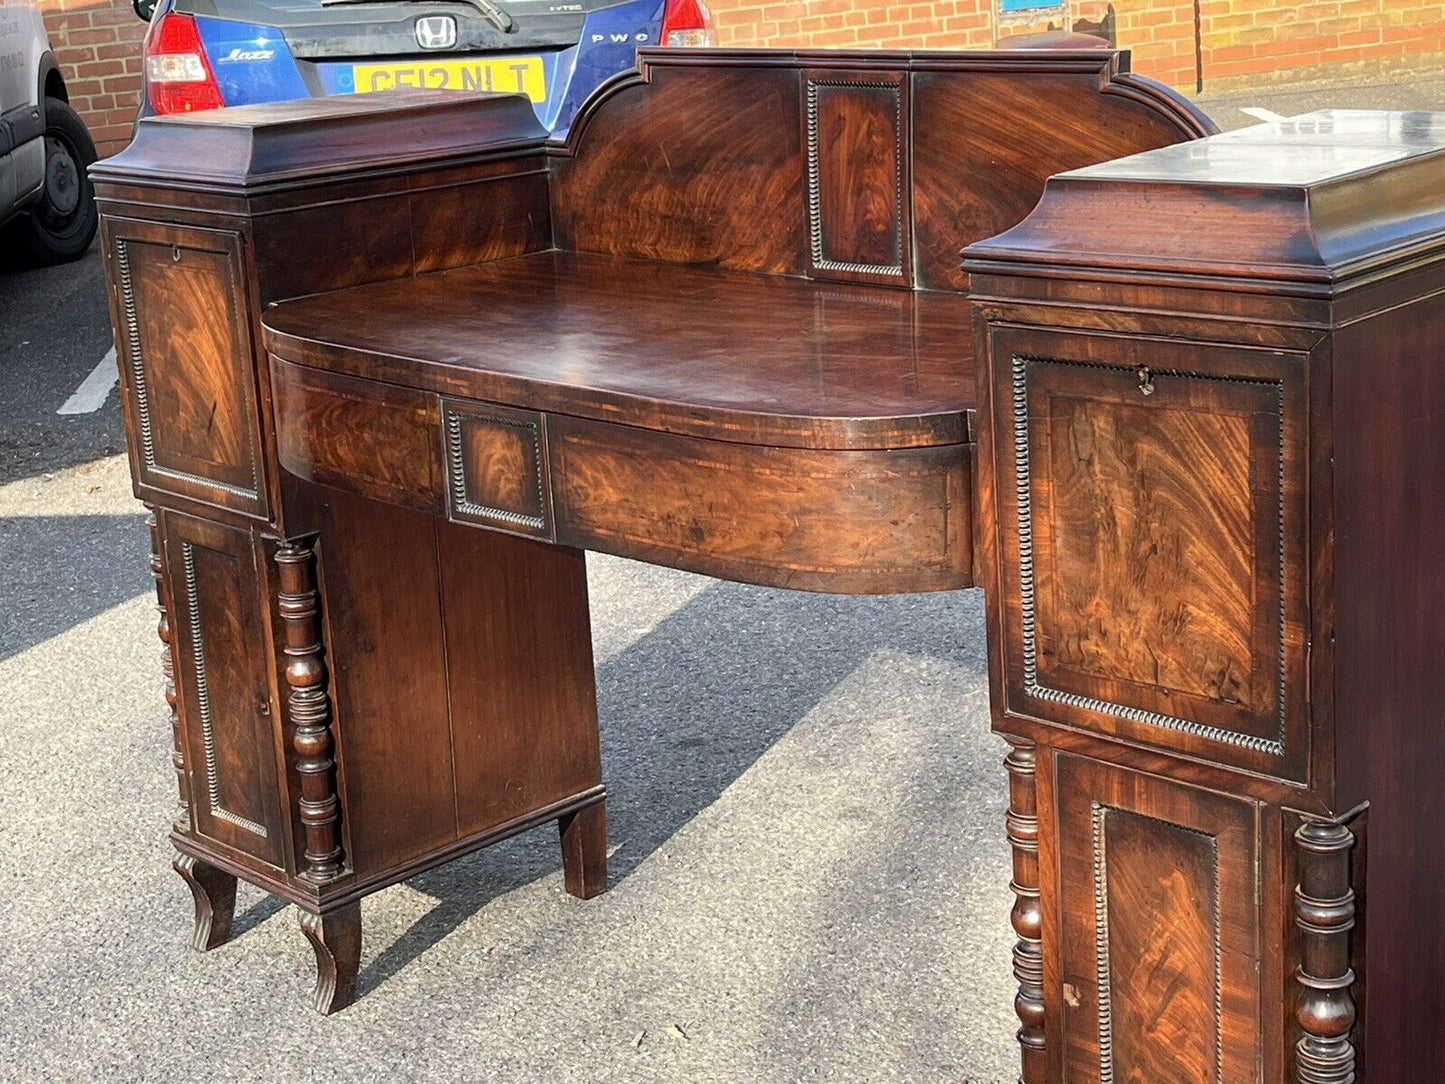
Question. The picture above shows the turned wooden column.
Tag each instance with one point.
(1027, 915)
(168, 670)
(334, 931)
(309, 709)
(1325, 914)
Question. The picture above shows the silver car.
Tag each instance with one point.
(47, 207)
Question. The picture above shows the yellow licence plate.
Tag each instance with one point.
(506, 75)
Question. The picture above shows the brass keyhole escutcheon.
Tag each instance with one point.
(1146, 380)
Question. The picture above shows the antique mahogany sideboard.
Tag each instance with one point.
(391, 364)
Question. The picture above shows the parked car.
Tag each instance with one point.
(47, 205)
(204, 54)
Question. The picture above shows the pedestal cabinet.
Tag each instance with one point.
(344, 713)
(1212, 410)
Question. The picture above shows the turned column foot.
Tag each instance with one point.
(215, 894)
(336, 939)
(584, 850)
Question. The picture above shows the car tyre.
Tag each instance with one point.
(61, 226)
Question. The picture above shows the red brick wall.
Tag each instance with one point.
(1241, 40)
(98, 46)
(98, 43)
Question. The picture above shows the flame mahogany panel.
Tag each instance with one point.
(1162, 936)
(874, 167)
(856, 140)
(1152, 535)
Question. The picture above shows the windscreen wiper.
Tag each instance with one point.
(495, 15)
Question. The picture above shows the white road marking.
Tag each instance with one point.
(1266, 115)
(94, 389)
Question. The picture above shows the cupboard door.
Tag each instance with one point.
(225, 698)
(1152, 532)
(184, 324)
(1160, 934)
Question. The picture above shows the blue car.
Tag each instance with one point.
(206, 54)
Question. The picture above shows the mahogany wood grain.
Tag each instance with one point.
(1161, 929)
(1152, 536)
(497, 467)
(227, 713)
(812, 365)
(523, 734)
(185, 354)
(851, 522)
(388, 677)
(710, 160)
(856, 141)
(375, 439)
(1388, 409)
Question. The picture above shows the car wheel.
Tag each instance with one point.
(61, 226)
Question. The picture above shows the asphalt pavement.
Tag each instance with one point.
(809, 876)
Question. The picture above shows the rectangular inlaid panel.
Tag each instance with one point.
(497, 472)
(1161, 930)
(224, 688)
(1155, 534)
(856, 141)
(185, 352)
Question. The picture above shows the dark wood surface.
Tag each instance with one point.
(762, 360)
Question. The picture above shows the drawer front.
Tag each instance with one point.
(1160, 941)
(184, 321)
(368, 438)
(231, 744)
(1151, 540)
(497, 470)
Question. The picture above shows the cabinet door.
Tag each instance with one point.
(1160, 933)
(184, 323)
(1150, 501)
(224, 687)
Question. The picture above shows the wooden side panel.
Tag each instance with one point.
(852, 522)
(1161, 929)
(1152, 537)
(856, 141)
(1389, 457)
(711, 167)
(224, 686)
(388, 680)
(185, 352)
(372, 439)
(984, 143)
(519, 675)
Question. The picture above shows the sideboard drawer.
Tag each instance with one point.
(184, 344)
(1151, 532)
(368, 438)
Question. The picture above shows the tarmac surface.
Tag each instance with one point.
(809, 875)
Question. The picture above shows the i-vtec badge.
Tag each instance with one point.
(252, 55)
(436, 32)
